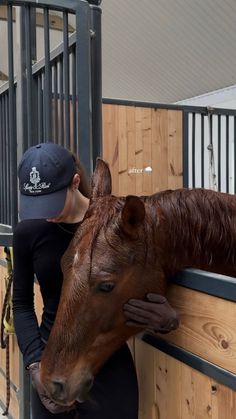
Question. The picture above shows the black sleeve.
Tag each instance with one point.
(25, 321)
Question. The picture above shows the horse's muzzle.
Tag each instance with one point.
(65, 393)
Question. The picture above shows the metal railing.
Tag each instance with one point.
(210, 149)
(56, 99)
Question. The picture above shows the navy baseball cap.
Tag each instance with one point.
(45, 172)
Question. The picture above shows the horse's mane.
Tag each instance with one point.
(201, 223)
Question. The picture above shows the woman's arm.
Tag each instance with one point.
(25, 321)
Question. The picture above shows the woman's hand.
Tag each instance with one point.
(156, 314)
(50, 405)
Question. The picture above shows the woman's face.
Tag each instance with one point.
(69, 206)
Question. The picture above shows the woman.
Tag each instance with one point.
(54, 196)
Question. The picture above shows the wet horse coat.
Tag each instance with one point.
(126, 248)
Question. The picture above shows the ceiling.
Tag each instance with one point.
(167, 50)
(158, 50)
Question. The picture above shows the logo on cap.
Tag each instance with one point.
(35, 180)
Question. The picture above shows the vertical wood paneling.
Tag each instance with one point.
(175, 141)
(159, 150)
(180, 391)
(14, 356)
(138, 150)
(147, 150)
(144, 137)
(153, 137)
(130, 180)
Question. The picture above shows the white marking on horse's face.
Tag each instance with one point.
(76, 258)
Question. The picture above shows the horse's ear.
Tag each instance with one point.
(101, 179)
(132, 215)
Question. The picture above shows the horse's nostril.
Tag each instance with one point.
(57, 390)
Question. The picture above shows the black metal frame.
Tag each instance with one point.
(26, 104)
(70, 80)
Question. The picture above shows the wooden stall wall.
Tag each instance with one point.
(14, 351)
(143, 147)
(14, 357)
(134, 139)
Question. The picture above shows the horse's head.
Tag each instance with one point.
(105, 265)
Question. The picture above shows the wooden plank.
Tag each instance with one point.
(207, 326)
(147, 150)
(131, 143)
(223, 401)
(181, 392)
(14, 354)
(175, 149)
(123, 150)
(14, 406)
(138, 151)
(146, 379)
(159, 150)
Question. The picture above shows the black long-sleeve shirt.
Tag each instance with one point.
(38, 246)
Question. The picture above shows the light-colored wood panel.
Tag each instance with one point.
(142, 137)
(131, 144)
(207, 326)
(147, 150)
(122, 135)
(14, 405)
(138, 151)
(146, 380)
(159, 150)
(181, 391)
(175, 144)
(223, 401)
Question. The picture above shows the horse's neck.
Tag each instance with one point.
(197, 232)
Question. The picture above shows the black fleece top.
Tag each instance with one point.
(38, 246)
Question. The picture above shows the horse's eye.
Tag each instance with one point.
(106, 286)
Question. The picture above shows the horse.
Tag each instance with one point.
(125, 248)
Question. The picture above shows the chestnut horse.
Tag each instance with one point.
(125, 248)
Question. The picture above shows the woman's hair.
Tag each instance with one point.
(84, 186)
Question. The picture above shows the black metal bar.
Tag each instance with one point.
(55, 101)
(47, 86)
(66, 73)
(29, 74)
(2, 166)
(96, 69)
(227, 153)
(235, 154)
(40, 108)
(219, 152)
(21, 92)
(202, 151)
(73, 101)
(12, 121)
(4, 159)
(185, 150)
(55, 54)
(193, 150)
(61, 107)
(210, 283)
(83, 84)
(8, 183)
